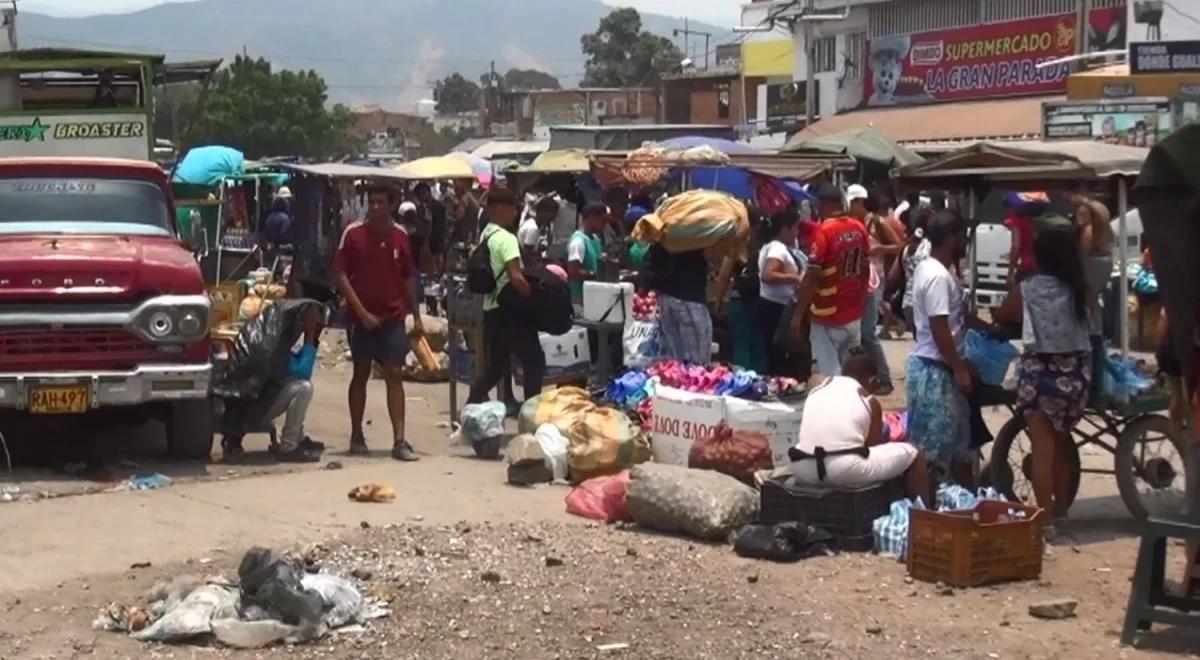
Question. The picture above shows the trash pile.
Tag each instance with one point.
(272, 601)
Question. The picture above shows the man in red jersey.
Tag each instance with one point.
(375, 274)
(836, 285)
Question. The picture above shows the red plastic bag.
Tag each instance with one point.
(601, 498)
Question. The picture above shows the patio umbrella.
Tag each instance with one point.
(482, 167)
(860, 143)
(436, 167)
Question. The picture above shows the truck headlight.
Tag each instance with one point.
(160, 324)
(172, 319)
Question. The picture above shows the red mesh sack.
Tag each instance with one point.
(738, 454)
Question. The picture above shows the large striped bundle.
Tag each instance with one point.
(698, 220)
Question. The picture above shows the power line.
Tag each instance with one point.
(284, 56)
(1183, 13)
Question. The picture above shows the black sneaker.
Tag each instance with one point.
(402, 451)
(358, 446)
(309, 443)
(300, 454)
(231, 449)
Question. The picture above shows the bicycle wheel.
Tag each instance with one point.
(1150, 467)
(1012, 463)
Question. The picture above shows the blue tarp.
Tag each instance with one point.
(738, 182)
(207, 166)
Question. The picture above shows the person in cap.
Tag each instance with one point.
(834, 289)
(375, 275)
(506, 333)
(883, 243)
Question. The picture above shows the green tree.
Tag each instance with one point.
(455, 94)
(621, 54)
(517, 80)
(264, 113)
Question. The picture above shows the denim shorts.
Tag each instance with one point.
(387, 344)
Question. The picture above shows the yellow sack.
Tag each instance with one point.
(600, 440)
(553, 407)
(698, 220)
(604, 441)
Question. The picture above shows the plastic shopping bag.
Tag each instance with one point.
(601, 498)
(891, 530)
(991, 356)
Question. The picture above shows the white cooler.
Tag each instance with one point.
(602, 302)
(568, 357)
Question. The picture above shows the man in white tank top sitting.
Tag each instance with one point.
(841, 444)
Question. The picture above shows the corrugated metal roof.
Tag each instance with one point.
(940, 122)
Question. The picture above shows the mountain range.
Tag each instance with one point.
(369, 51)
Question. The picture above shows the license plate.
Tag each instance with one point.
(70, 399)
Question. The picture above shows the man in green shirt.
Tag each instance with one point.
(506, 333)
(586, 249)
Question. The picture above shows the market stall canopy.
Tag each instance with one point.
(779, 166)
(173, 73)
(510, 148)
(435, 167)
(1000, 119)
(1026, 163)
(1168, 199)
(560, 161)
(728, 147)
(344, 171)
(858, 143)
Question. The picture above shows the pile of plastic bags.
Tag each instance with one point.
(717, 380)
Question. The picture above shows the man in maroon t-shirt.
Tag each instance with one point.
(375, 274)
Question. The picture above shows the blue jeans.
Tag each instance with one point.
(870, 336)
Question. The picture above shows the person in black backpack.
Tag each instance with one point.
(507, 331)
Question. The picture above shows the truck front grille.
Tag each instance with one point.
(23, 342)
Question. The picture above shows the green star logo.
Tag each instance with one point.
(25, 133)
(36, 131)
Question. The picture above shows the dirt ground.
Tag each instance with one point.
(68, 551)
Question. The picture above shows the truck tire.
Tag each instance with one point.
(190, 429)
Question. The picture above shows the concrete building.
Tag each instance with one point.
(720, 96)
(388, 133)
(939, 69)
(530, 114)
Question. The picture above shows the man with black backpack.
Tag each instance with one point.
(494, 270)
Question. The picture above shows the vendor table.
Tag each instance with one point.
(604, 335)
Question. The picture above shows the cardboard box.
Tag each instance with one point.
(681, 418)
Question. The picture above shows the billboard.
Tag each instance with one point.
(1132, 122)
(982, 61)
(104, 135)
(1164, 57)
(787, 107)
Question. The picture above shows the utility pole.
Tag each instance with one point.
(688, 32)
(810, 75)
(1083, 12)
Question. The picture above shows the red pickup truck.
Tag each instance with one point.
(102, 307)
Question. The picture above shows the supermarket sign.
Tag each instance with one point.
(106, 135)
(991, 60)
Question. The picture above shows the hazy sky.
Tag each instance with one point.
(720, 12)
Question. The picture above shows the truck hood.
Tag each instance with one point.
(66, 268)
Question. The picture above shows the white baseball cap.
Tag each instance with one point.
(407, 207)
(856, 192)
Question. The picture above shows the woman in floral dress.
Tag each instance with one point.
(1055, 371)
